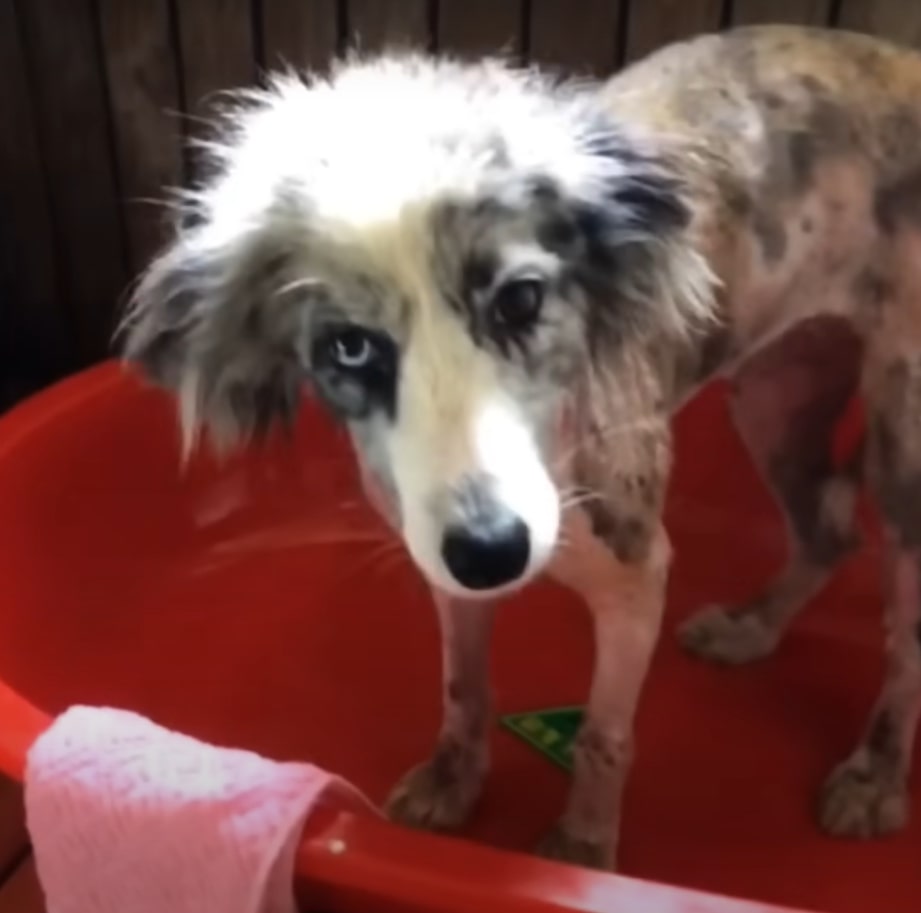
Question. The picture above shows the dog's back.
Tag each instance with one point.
(804, 146)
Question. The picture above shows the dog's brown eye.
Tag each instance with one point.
(517, 304)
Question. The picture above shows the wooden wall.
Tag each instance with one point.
(94, 93)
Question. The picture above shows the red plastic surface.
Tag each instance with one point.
(262, 605)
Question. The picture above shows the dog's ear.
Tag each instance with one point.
(633, 216)
(216, 324)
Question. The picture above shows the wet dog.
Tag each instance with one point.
(504, 285)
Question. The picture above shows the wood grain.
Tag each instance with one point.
(803, 12)
(35, 332)
(587, 43)
(898, 20)
(303, 34)
(66, 72)
(378, 24)
(654, 24)
(144, 95)
(218, 53)
(475, 27)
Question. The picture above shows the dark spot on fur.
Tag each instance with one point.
(802, 158)
(627, 537)
(871, 289)
(600, 752)
(447, 762)
(809, 84)
(897, 483)
(737, 199)
(772, 100)
(883, 737)
(604, 526)
(771, 235)
(898, 489)
(899, 203)
(834, 127)
(828, 131)
(558, 233)
(899, 137)
(807, 225)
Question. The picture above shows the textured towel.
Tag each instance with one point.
(127, 817)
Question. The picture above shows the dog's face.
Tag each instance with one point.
(443, 253)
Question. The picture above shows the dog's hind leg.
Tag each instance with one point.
(786, 402)
(867, 794)
(440, 794)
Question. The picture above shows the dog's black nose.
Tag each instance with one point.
(487, 553)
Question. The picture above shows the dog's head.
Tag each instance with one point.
(443, 252)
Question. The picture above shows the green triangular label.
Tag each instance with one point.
(552, 732)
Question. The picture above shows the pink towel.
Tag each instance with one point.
(127, 817)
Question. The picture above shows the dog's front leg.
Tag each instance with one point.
(626, 602)
(440, 793)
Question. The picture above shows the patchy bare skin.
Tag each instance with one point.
(745, 204)
(806, 153)
(810, 203)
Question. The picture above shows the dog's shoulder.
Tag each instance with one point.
(800, 145)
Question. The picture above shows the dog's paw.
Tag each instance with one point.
(861, 799)
(722, 637)
(562, 846)
(437, 795)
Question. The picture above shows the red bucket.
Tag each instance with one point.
(261, 604)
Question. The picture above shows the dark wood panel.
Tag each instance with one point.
(899, 20)
(583, 43)
(145, 102)
(377, 24)
(654, 24)
(62, 43)
(805, 12)
(34, 333)
(472, 27)
(218, 53)
(303, 34)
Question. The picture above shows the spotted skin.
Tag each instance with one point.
(746, 204)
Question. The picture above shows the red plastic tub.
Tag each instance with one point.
(261, 604)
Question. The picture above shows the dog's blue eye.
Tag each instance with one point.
(352, 348)
(517, 304)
